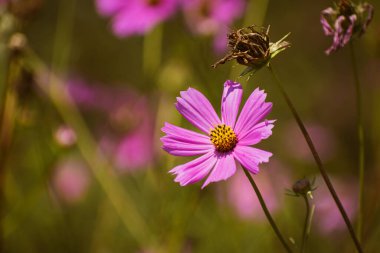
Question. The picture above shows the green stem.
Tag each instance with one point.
(8, 115)
(361, 154)
(317, 160)
(306, 226)
(152, 51)
(266, 211)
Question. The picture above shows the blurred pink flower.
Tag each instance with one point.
(125, 122)
(345, 21)
(323, 138)
(224, 142)
(213, 18)
(327, 217)
(272, 182)
(136, 17)
(71, 180)
(65, 136)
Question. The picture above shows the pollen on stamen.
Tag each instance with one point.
(223, 138)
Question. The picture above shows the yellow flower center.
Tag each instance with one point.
(223, 138)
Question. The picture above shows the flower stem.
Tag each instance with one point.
(266, 211)
(360, 140)
(152, 51)
(317, 160)
(307, 224)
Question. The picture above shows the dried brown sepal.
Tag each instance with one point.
(249, 46)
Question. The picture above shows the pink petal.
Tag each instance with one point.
(260, 132)
(194, 170)
(195, 107)
(129, 21)
(182, 142)
(225, 167)
(327, 13)
(179, 148)
(140, 17)
(250, 158)
(231, 102)
(185, 135)
(254, 110)
(109, 7)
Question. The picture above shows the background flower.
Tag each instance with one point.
(123, 122)
(344, 22)
(71, 180)
(327, 217)
(136, 17)
(213, 18)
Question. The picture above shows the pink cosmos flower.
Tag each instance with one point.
(224, 141)
(212, 17)
(136, 17)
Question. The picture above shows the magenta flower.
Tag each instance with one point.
(212, 18)
(136, 17)
(344, 22)
(224, 141)
(122, 121)
(71, 180)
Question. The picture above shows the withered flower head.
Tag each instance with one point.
(345, 21)
(302, 187)
(251, 46)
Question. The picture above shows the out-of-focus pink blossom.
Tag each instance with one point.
(136, 17)
(71, 180)
(323, 138)
(327, 217)
(65, 136)
(272, 182)
(345, 21)
(213, 18)
(123, 122)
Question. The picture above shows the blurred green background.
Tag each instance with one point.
(71, 177)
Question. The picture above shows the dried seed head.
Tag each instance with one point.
(251, 47)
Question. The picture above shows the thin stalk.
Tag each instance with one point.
(361, 154)
(317, 160)
(266, 211)
(152, 52)
(307, 223)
